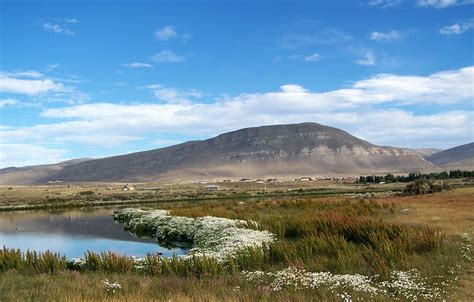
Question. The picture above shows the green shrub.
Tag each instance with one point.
(86, 193)
(424, 186)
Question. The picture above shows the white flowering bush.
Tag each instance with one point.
(401, 285)
(212, 237)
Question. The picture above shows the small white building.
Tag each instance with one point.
(128, 187)
(212, 188)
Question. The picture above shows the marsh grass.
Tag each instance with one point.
(31, 261)
(341, 236)
(336, 235)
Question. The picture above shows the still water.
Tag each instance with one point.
(73, 232)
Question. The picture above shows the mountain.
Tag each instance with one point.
(280, 150)
(460, 157)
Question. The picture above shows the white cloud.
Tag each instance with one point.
(166, 33)
(457, 28)
(368, 59)
(57, 28)
(442, 3)
(438, 88)
(51, 67)
(384, 3)
(315, 57)
(167, 56)
(385, 36)
(27, 86)
(356, 108)
(71, 20)
(173, 95)
(18, 155)
(419, 3)
(23, 74)
(137, 65)
(8, 102)
(40, 88)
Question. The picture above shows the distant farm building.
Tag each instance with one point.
(212, 188)
(128, 187)
(54, 181)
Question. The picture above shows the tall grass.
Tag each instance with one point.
(31, 262)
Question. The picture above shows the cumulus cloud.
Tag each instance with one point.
(166, 33)
(385, 36)
(457, 28)
(137, 65)
(28, 86)
(41, 88)
(167, 56)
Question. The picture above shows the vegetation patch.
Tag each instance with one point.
(211, 237)
(424, 186)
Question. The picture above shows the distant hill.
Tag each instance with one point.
(33, 174)
(460, 157)
(267, 151)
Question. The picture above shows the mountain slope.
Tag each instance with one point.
(32, 174)
(427, 151)
(460, 157)
(280, 150)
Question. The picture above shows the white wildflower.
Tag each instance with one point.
(111, 287)
(465, 246)
(406, 285)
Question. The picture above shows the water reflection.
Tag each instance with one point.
(73, 232)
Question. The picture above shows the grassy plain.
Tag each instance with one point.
(343, 234)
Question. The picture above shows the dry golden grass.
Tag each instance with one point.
(453, 212)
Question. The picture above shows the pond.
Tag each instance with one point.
(73, 232)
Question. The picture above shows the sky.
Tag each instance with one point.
(99, 78)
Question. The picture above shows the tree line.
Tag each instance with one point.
(390, 178)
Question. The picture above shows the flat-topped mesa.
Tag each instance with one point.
(278, 151)
(213, 237)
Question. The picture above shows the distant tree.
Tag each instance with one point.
(390, 178)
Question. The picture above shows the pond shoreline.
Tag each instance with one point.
(92, 204)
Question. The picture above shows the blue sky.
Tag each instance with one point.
(98, 78)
